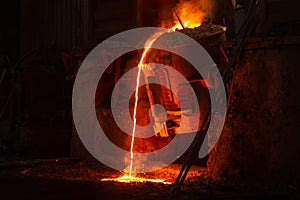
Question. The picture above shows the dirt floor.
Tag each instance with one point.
(81, 180)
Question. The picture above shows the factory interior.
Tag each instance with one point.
(150, 99)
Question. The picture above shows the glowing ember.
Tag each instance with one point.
(131, 179)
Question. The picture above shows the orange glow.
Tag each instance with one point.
(189, 13)
(131, 179)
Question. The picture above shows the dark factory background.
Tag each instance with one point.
(37, 121)
(43, 42)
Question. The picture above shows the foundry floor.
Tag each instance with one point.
(81, 180)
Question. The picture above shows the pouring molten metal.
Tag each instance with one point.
(183, 18)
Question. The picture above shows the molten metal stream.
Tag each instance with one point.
(148, 45)
(130, 178)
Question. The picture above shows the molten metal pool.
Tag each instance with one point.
(132, 179)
